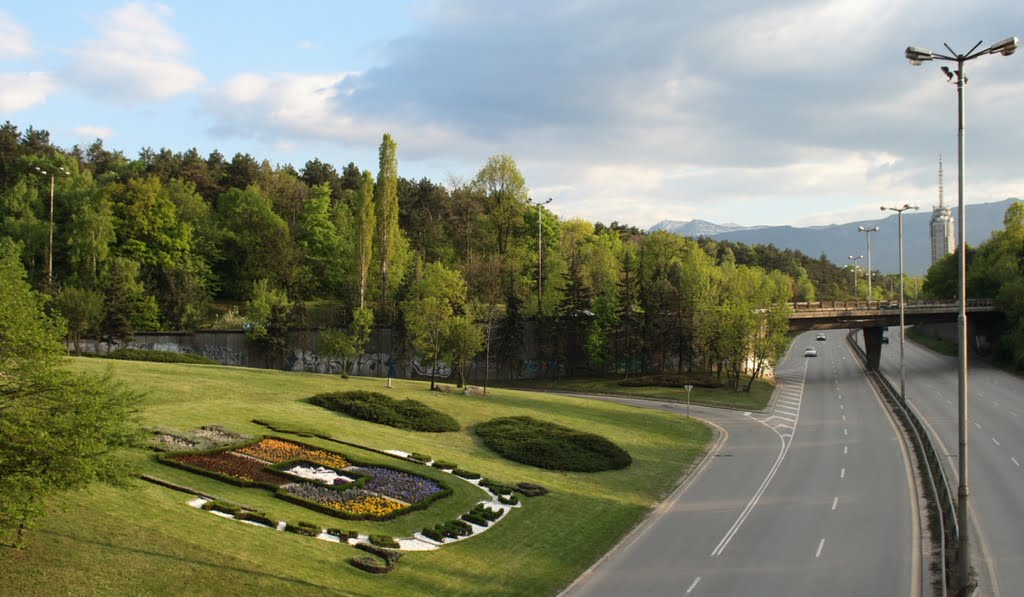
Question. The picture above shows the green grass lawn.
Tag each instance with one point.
(147, 541)
(756, 399)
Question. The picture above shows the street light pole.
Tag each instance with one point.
(855, 259)
(49, 246)
(540, 260)
(868, 231)
(903, 377)
(916, 56)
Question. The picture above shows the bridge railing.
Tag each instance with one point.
(940, 499)
(883, 305)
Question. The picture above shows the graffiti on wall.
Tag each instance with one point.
(441, 369)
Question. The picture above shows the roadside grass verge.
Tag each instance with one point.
(938, 345)
(148, 541)
(757, 399)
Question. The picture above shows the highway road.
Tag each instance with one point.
(814, 497)
(995, 452)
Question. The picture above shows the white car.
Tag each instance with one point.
(811, 352)
(821, 337)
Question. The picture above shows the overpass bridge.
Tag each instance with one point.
(874, 316)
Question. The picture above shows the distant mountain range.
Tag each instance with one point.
(838, 241)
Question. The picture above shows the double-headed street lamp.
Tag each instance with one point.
(868, 231)
(49, 249)
(540, 261)
(916, 56)
(855, 259)
(899, 216)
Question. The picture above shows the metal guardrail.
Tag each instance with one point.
(940, 502)
(884, 305)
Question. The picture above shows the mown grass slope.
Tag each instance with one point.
(147, 541)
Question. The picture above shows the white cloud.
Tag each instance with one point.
(21, 91)
(305, 45)
(137, 57)
(94, 132)
(14, 39)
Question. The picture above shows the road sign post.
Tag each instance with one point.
(688, 388)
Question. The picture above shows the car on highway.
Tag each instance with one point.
(811, 352)
(821, 337)
(885, 339)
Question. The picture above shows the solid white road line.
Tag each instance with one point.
(692, 585)
(835, 502)
(821, 544)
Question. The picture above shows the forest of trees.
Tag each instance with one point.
(995, 270)
(178, 241)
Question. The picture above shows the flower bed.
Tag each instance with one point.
(403, 486)
(356, 503)
(232, 466)
(278, 450)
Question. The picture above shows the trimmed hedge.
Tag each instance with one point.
(375, 407)
(383, 541)
(550, 446)
(159, 356)
(531, 489)
(388, 555)
(372, 565)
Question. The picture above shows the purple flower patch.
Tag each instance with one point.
(406, 487)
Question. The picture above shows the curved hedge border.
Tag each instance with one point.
(375, 407)
(550, 446)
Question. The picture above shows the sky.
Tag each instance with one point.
(753, 112)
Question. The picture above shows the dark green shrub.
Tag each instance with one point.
(302, 528)
(496, 487)
(159, 356)
(508, 500)
(407, 414)
(531, 489)
(432, 534)
(257, 517)
(417, 457)
(486, 513)
(444, 465)
(474, 519)
(383, 541)
(343, 535)
(550, 446)
(388, 555)
(372, 564)
(222, 507)
(465, 474)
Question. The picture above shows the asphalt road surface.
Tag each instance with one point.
(995, 452)
(814, 497)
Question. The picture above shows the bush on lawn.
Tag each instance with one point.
(372, 564)
(378, 408)
(550, 446)
(159, 356)
(531, 489)
(383, 541)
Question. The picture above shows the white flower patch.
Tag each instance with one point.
(319, 473)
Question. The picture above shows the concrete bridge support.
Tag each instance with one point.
(873, 347)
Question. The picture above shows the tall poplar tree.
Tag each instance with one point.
(386, 195)
(366, 220)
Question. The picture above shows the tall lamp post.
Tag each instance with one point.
(868, 231)
(49, 246)
(540, 260)
(899, 216)
(855, 259)
(916, 56)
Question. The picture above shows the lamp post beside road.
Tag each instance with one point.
(49, 246)
(855, 259)
(868, 231)
(899, 216)
(540, 261)
(916, 56)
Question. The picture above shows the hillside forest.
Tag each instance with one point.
(178, 241)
